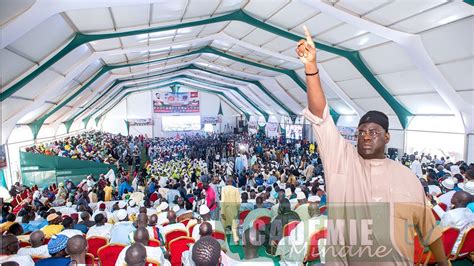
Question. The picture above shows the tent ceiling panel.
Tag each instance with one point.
(213, 28)
(259, 37)
(279, 44)
(318, 25)
(239, 51)
(405, 82)
(130, 16)
(91, 20)
(298, 95)
(58, 114)
(394, 123)
(89, 72)
(65, 91)
(155, 36)
(360, 7)
(468, 95)
(267, 73)
(376, 103)
(139, 68)
(31, 116)
(75, 56)
(121, 71)
(107, 44)
(114, 59)
(292, 15)
(432, 103)
(340, 34)
(460, 74)
(184, 37)
(135, 40)
(221, 45)
(14, 9)
(168, 10)
(289, 65)
(435, 17)
(50, 34)
(190, 31)
(252, 70)
(340, 69)
(197, 8)
(238, 29)
(35, 87)
(453, 41)
(262, 9)
(273, 61)
(12, 66)
(10, 106)
(357, 88)
(390, 13)
(387, 58)
(257, 57)
(362, 42)
(340, 107)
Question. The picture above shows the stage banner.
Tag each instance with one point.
(211, 119)
(3, 157)
(176, 102)
(252, 126)
(271, 129)
(140, 122)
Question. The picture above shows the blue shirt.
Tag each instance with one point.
(470, 206)
(124, 186)
(81, 228)
(53, 262)
(120, 232)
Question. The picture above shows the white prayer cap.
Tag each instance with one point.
(455, 169)
(300, 196)
(288, 192)
(448, 183)
(121, 214)
(68, 204)
(314, 198)
(175, 208)
(122, 204)
(163, 206)
(297, 190)
(141, 203)
(203, 210)
(132, 203)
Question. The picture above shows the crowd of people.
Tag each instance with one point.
(218, 182)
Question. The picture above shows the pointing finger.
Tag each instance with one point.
(309, 39)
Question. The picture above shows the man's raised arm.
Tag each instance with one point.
(306, 51)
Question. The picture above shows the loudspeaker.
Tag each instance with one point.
(236, 130)
(241, 123)
(392, 152)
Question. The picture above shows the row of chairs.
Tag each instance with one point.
(449, 237)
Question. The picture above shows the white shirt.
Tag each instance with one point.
(41, 251)
(154, 253)
(103, 230)
(216, 226)
(416, 168)
(70, 232)
(446, 198)
(434, 190)
(162, 218)
(22, 260)
(460, 218)
(110, 176)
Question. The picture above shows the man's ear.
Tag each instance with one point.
(387, 137)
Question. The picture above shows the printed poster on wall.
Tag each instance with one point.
(211, 119)
(252, 126)
(271, 129)
(176, 102)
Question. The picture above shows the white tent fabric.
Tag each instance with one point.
(421, 53)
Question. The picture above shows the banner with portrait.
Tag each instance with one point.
(271, 129)
(176, 102)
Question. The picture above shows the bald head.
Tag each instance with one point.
(136, 255)
(37, 238)
(153, 220)
(76, 245)
(10, 244)
(461, 199)
(205, 229)
(142, 220)
(141, 236)
(171, 217)
(313, 209)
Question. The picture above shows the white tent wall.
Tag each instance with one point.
(139, 106)
(470, 148)
(114, 120)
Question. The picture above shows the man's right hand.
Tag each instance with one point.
(306, 50)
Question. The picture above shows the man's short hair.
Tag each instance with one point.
(206, 252)
(98, 218)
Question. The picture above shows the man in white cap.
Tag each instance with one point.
(163, 209)
(132, 207)
(469, 188)
(301, 207)
(204, 212)
(121, 230)
(448, 187)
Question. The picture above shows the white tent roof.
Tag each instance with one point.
(410, 59)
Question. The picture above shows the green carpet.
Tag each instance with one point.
(240, 251)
